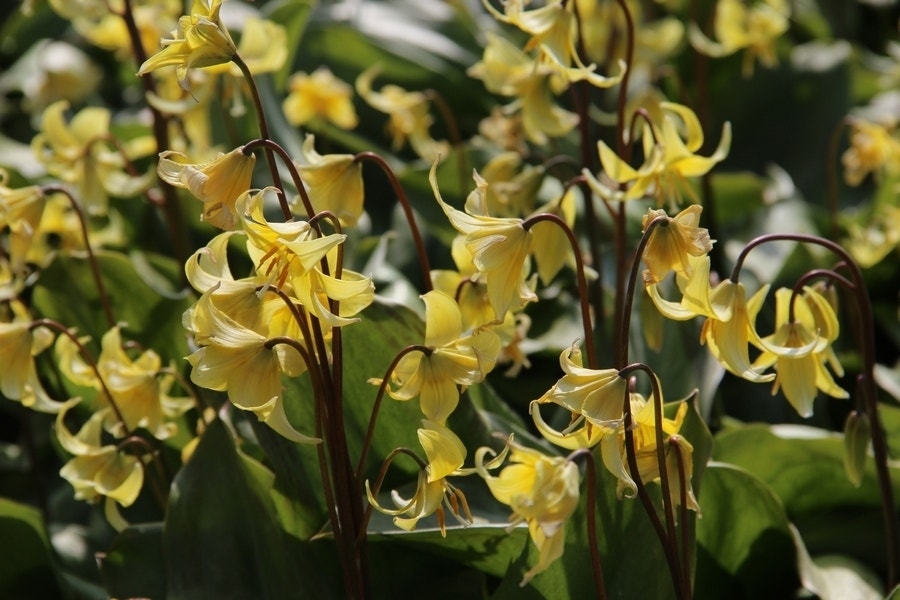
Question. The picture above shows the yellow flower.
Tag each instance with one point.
(138, 387)
(334, 182)
(594, 395)
(291, 253)
(754, 29)
(871, 242)
(217, 184)
(800, 347)
(78, 153)
(20, 342)
(672, 242)
(201, 40)
(446, 454)
(98, 471)
(319, 95)
(239, 360)
(508, 71)
(542, 491)
(554, 31)
(453, 360)
(21, 210)
(612, 449)
(500, 247)
(698, 297)
(872, 150)
(669, 159)
(409, 117)
(728, 340)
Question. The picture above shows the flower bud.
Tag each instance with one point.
(857, 435)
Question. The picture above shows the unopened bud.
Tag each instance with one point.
(857, 435)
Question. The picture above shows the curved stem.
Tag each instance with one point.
(382, 473)
(92, 259)
(271, 146)
(866, 328)
(582, 280)
(370, 430)
(407, 211)
(264, 133)
(591, 477)
(628, 298)
(453, 129)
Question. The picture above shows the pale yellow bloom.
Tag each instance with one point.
(542, 491)
(21, 211)
(500, 247)
(217, 184)
(409, 116)
(239, 360)
(79, 153)
(673, 242)
(800, 347)
(334, 183)
(139, 388)
(644, 432)
(669, 159)
(20, 342)
(454, 360)
(319, 95)
(754, 29)
(728, 340)
(873, 149)
(201, 40)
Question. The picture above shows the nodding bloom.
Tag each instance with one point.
(542, 491)
(21, 210)
(500, 247)
(79, 153)
(139, 387)
(554, 32)
(446, 454)
(594, 398)
(409, 116)
(319, 95)
(291, 253)
(20, 342)
(201, 40)
(669, 159)
(754, 29)
(453, 360)
(241, 361)
(217, 184)
(800, 347)
(612, 449)
(728, 340)
(673, 242)
(507, 70)
(98, 470)
(334, 182)
(873, 149)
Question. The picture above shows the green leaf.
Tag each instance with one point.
(803, 465)
(222, 537)
(293, 15)
(745, 544)
(27, 565)
(152, 320)
(134, 566)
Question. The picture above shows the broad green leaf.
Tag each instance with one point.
(28, 568)
(745, 548)
(222, 537)
(134, 566)
(834, 577)
(151, 319)
(803, 465)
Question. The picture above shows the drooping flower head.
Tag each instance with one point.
(319, 95)
(672, 243)
(201, 40)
